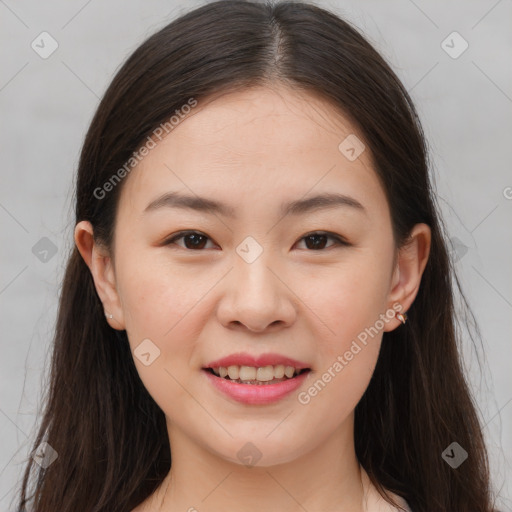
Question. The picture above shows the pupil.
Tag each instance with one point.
(197, 243)
(316, 245)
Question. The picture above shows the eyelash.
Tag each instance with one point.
(340, 241)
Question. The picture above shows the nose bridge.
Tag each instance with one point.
(255, 296)
(253, 277)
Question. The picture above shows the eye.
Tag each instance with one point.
(317, 240)
(193, 240)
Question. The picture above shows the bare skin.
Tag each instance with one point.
(254, 150)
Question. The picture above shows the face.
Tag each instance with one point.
(312, 283)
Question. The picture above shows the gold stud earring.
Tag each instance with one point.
(402, 317)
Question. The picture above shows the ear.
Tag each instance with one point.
(411, 262)
(101, 266)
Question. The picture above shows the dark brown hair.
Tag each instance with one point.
(110, 436)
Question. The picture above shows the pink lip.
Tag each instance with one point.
(255, 394)
(243, 359)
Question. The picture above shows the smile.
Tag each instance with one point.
(253, 386)
(257, 375)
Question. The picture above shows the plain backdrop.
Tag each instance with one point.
(464, 98)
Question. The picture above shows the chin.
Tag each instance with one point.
(260, 452)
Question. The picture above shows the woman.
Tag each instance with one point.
(258, 311)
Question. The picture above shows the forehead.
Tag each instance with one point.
(258, 119)
(258, 144)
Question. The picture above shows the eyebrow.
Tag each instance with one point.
(297, 207)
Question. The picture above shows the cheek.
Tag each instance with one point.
(346, 360)
(348, 306)
(346, 301)
(159, 299)
(162, 310)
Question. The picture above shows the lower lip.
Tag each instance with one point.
(256, 393)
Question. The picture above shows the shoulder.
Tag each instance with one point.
(374, 502)
(384, 506)
(381, 505)
(401, 502)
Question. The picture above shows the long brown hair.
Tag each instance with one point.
(109, 434)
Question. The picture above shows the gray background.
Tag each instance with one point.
(465, 104)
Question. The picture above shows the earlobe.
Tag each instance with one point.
(412, 260)
(100, 265)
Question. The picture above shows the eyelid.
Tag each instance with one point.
(340, 238)
(180, 234)
(341, 241)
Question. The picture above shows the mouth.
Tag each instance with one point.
(251, 385)
(257, 380)
(257, 376)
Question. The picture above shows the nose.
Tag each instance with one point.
(256, 297)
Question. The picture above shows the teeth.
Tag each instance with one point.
(279, 371)
(233, 372)
(261, 374)
(247, 373)
(289, 371)
(264, 374)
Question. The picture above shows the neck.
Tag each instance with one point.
(327, 477)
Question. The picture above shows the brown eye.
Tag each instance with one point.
(317, 241)
(192, 240)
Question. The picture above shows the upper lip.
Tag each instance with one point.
(243, 359)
